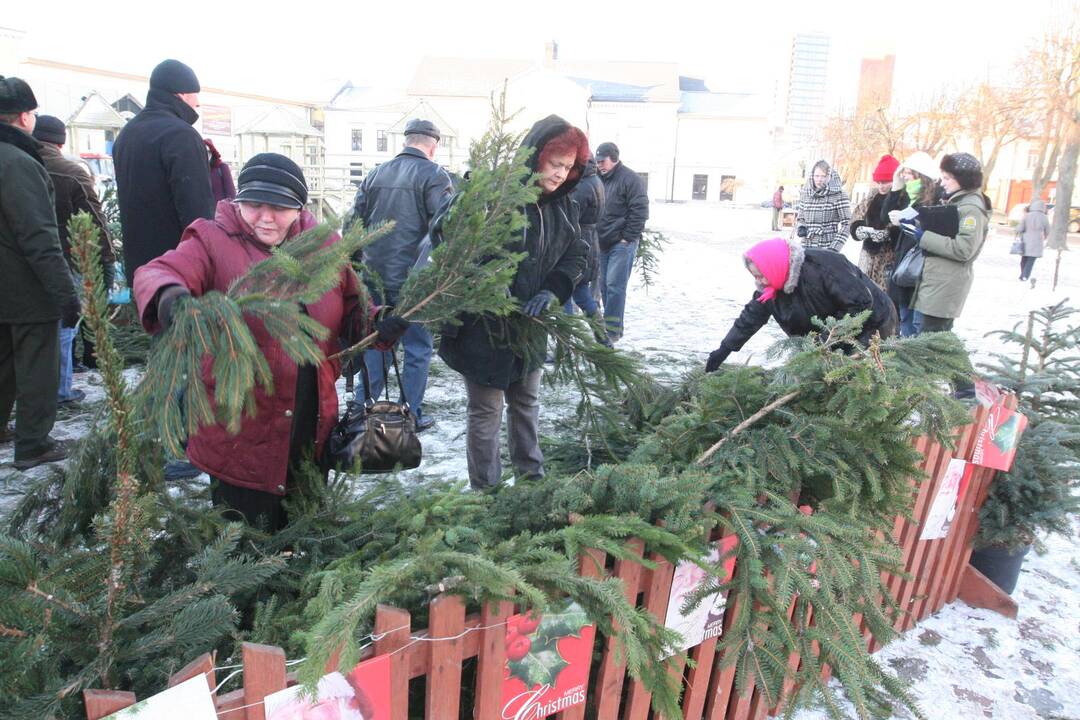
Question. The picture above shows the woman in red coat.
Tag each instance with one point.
(254, 469)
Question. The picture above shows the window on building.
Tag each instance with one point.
(727, 187)
(644, 181)
(700, 188)
(312, 155)
(357, 140)
(381, 143)
(1033, 158)
(356, 173)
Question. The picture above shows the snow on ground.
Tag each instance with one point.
(963, 662)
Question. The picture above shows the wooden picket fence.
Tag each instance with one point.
(937, 573)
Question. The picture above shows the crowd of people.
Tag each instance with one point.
(189, 229)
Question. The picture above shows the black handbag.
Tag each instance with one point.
(375, 436)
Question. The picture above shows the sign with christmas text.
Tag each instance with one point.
(190, 700)
(949, 495)
(999, 436)
(707, 619)
(362, 694)
(547, 662)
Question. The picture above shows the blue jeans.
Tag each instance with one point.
(583, 298)
(615, 267)
(907, 322)
(67, 336)
(418, 346)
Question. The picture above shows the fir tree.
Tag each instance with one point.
(1039, 494)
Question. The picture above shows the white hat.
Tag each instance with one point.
(923, 164)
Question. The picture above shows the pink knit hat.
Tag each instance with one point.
(772, 258)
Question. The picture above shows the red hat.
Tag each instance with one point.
(886, 168)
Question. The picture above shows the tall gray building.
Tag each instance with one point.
(807, 78)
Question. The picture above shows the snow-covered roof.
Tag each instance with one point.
(279, 121)
(469, 77)
(350, 97)
(723, 104)
(424, 111)
(96, 112)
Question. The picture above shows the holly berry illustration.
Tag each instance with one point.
(517, 647)
(528, 623)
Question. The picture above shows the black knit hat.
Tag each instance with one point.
(173, 76)
(966, 168)
(272, 179)
(50, 129)
(417, 126)
(608, 150)
(16, 96)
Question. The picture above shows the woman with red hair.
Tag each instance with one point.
(478, 349)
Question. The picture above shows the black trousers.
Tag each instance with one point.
(254, 507)
(1027, 263)
(30, 377)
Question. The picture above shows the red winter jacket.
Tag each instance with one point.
(211, 254)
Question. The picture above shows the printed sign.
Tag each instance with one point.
(986, 393)
(707, 619)
(216, 119)
(190, 700)
(998, 438)
(547, 662)
(362, 694)
(943, 509)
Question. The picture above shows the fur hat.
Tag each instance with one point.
(921, 163)
(886, 168)
(16, 96)
(966, 168)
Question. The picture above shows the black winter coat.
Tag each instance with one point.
(35, 283)
(590, 198)
(821, 284)
(162, 179)
(409, 190)
(626, 209)
(478, 348)
(905, 241)
(873, 219)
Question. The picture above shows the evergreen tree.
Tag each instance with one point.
(1039, 494)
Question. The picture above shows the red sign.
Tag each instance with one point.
(547, 663)
(216, 119)
(998, 438)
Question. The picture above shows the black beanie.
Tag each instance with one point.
(173, 76)
(608, 150)
(966, 168)
(16, 96)
(50, 129)
(272, 179)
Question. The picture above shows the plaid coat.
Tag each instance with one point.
(825, 213)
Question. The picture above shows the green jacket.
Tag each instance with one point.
(948, 270)
(34, 279)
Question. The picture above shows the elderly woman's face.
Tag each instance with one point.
(821, 177)
(555, 171)
(269, 223)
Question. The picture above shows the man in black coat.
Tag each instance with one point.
(162, 169)
(408, 191)
(589, 196)
(619, 230)
(496, 374)
(36, 288)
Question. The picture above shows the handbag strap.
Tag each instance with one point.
(368, 400)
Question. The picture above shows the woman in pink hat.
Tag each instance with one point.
(796, 284)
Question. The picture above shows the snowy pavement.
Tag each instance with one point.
(963, 662)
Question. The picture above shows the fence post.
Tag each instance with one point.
(202, 665)
(612, 672)
(392, 631)
(591, 564)
(491, 660)
(100, 703)
(264, 674)
(444, 676)
(657, 589)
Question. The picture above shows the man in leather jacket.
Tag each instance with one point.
(408, 190)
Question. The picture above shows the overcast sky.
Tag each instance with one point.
(308, 52)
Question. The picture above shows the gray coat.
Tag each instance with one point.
(1033, 229)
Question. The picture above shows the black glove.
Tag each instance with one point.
(801, 231)
(390, 328)
(69, 314)
(716, 359)
(169, 298)
(539, 303)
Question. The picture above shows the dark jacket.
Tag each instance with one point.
(162, 179)
(35, 283)
(872, 218)
(821, 284)
(210, 256)
(905, 241)
(478, 348)
(590, 198)
(408, 190)
(626, 210)
(75, 193)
